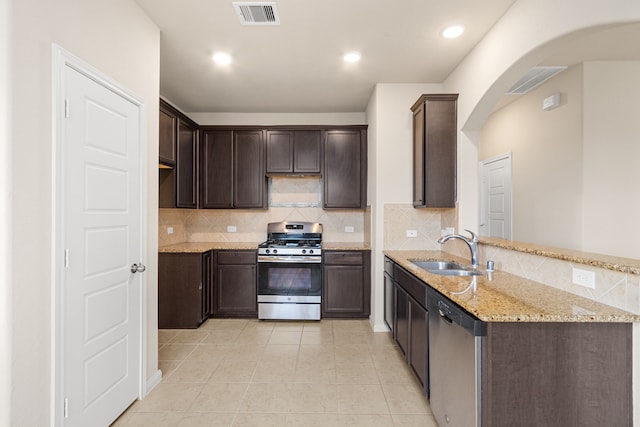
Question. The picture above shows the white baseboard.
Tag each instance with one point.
(153, 381)
(381, 328)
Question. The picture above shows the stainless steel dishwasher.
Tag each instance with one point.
(454, 363)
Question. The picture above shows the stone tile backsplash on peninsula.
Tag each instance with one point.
(290, 199)
(614, 288)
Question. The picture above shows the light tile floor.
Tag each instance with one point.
(237, 372)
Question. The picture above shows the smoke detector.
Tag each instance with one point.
(534, 77)
(257, 13)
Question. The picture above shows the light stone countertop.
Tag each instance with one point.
(609, 262)
(509, 298)
(200, 247)
(346, 246)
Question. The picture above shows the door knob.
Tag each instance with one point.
(138, 268)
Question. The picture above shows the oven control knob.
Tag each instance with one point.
(304, 251)
(267, 251)
(275, 251)
(310, 251)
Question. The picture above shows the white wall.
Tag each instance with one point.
(5, 219)
(611, 158)
(546, 149)
(390, 168)
(272, 119)
(516, 43)
(117, 38)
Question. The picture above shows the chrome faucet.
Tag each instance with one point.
(473, 244)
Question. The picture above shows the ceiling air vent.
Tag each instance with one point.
(533, 78)
(257, 13)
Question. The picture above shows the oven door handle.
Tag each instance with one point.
(290, 259)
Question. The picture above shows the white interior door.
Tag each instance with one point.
(495, 215)
(101, 297)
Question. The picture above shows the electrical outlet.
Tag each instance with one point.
(584, 278)
(231, 228)
(169, 230)
(412, 233)
(447, 231)
(348, 229)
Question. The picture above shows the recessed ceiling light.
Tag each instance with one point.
(452, 32)
(222, 58)
(352, 57)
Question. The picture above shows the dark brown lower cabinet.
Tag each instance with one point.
(557, 374)
(419, 342)
(184, 283)
(412, 333)
(235, 284)
(346, 284)
(532, 374)
(402, 320)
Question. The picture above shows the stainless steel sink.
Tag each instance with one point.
(446, 268)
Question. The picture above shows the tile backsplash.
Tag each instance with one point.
(399, 218)
(614, 288)
(290, 199)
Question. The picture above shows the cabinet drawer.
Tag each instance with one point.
(413, 286)
(236, 257)
(344, 258)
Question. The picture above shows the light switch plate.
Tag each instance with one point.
(169, 230)
(412, 233)
(348, 229)
(231, 228)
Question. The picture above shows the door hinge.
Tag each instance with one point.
(66, 407)
(66, 108)
(66, 258)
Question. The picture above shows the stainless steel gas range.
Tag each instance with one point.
(290, 271)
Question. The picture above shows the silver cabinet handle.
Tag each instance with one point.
(138, 268)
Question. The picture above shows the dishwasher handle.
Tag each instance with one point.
(451, 313)
(444, 317)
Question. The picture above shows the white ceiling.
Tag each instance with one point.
(297, 66)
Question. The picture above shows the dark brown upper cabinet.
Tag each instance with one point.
(167, 136)
(291, 152)
(187, 165)
(232, 169)
(345, 169)
(216, 169)
(178, 142)
(434, 151)
(250, 185)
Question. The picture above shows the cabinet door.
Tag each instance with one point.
(279, 151)
(418, 156)
(440, 153)
(389, 303)
(249, 180)
(344, 169)
(216, 173)
(402, 320)
(306, 155)
(167, 138)
(419, 342)
(207, 285)
(343, 293)
(186, 166)
(235, 291)
(180, 289)
(434, 151)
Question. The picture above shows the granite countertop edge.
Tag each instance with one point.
(609, 262)
(505, 297)
(201, 247)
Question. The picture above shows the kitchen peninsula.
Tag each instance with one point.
(544, 356)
